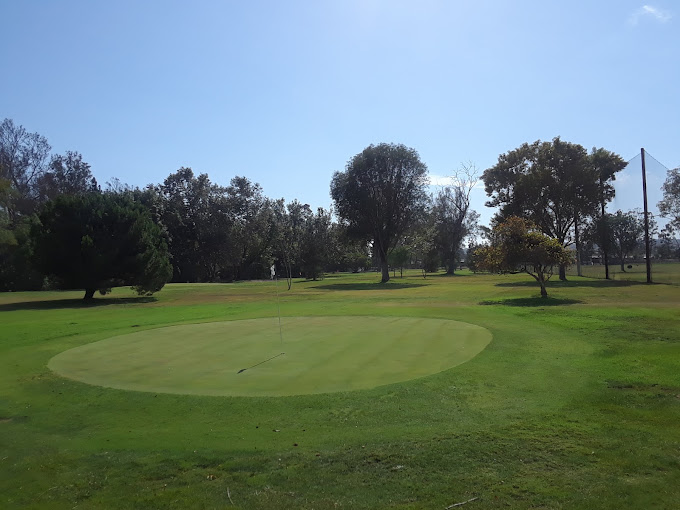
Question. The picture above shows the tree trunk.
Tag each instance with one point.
(384, 264)
(539, 276)
(578, 247)
(89, 294)
(623, 270)
(563, 272)
(289, 275)
(385, 271)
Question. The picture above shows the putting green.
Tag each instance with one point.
(317, 355)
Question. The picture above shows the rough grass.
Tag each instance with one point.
(574, 404)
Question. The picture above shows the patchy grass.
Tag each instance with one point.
(570, 406)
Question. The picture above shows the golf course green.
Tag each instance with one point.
(254, 358)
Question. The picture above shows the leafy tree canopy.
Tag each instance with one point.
(554, 184)
(542, 181)
(66, 174)
(96, 241)
(519, 245)
(380, 194)
(23, 159)
(670, 204)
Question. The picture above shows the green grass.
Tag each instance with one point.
(662, 272)
(247, 358)
(574, 404)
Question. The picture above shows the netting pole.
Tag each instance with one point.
(644, 196)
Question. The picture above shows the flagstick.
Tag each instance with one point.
(278, 303)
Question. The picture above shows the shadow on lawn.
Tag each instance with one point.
(531, 302)
(55, 304)
(449, 275)
(574, 283)
(369, 286)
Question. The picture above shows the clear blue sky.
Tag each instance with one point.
(285, 92)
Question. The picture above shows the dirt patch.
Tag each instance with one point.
(9, 419)
(645, 388)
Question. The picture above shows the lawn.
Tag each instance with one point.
(575, 402)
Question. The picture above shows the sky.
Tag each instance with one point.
(285, 93)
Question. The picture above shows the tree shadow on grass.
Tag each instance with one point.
(532, 302)
(55, 304)
(369, 286)
(574, 283)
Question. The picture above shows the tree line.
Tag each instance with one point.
(60, 229)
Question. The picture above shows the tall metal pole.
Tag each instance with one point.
(644, 195)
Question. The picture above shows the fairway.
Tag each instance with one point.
(312, 355)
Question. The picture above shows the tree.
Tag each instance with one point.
(66, 174)
(291, 219)
(626, 231)
(519, 245)
(96, 241)
(7, 237)
(23, 157)
(420, 240)
(16, 271)
(197, 217)
(554, 184)
(378, 196)
(473, 256)
(606, 164)
(669, 206)
(621, 233)
(215, 232)
(399, 258)
(253, 232)
(453, 218)
(314, 243)
(345, 252)
(669, 244)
